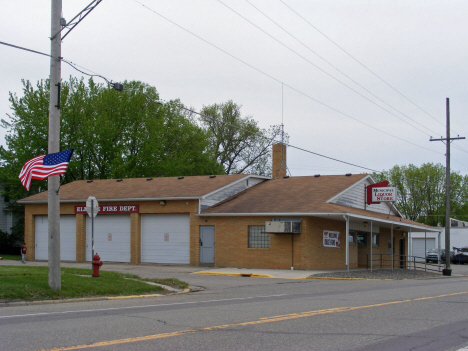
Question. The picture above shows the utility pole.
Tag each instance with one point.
(54, 146)
(447, 270)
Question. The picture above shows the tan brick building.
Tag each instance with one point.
(312, 222)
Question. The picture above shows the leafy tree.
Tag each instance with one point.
(422, 192)
(114, 134)
(240, 145)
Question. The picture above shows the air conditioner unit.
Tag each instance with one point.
(283, 227)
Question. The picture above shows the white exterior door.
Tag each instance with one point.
(67, 238)
(418, 246)
(111, 237)
(165, 238)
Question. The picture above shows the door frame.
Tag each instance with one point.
(200, 245)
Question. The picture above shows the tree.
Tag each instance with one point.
(422, 192)
(114, 134)
(240, 145)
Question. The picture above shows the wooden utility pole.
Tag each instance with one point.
(54, 146)
(447, 270)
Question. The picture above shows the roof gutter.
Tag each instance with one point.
(116, 200)
(319, 214)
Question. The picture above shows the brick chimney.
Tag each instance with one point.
(279, 161)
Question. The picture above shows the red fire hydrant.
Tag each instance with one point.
(96, 265)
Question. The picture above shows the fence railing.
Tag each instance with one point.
(389, 261)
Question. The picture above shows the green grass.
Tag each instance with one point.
(11, 257)
(31, 283)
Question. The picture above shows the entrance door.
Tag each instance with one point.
(402, 253)
(206, 244)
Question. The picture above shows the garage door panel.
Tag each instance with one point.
(111, 238)
(67, 238)
(418, 246)
(165, 238)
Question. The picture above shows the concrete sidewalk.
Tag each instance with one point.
(266, 273)
(154, 270)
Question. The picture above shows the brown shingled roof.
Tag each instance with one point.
(307, 195)
(140, 188)
(288, 195)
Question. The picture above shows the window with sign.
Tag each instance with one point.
(362, 239)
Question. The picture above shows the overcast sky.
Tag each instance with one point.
(365, 82)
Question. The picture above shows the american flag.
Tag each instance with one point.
(44, 166)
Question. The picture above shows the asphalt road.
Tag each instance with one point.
(236, 313)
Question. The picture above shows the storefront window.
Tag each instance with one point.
(375, 239)
(352, 237)
(362, 239)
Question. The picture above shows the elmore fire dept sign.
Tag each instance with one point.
(111, 209)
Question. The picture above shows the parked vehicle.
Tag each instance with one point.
(452, 256)
(433, 255)
(461, 255)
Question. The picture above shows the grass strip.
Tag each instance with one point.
(11, 257)
(31, 283)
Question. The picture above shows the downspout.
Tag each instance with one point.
(347, 241)
(425, 249)
(371, 245)
(391, 244)
(292, 251)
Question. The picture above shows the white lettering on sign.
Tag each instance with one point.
(384, 194)
(111, 209)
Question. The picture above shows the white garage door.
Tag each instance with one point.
(165, 238)
(67, 238)
(111, 238)
(418, 246)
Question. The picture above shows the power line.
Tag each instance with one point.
(360, 63)
(25, 49)
(329, 63)
(74, 65)
(211, 117)
(277, 80)
(331, 158)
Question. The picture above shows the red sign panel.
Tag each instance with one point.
(111, 209)
(369, 191)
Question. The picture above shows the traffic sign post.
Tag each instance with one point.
(92, 207)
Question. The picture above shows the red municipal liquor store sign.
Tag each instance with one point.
(110, 209)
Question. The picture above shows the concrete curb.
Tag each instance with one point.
(331, 278)
(87, 299)
(253, 275)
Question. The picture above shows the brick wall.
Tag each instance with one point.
(176, 206)
(135, 238)
(81, 238)
(279, 161)
(301, 251)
